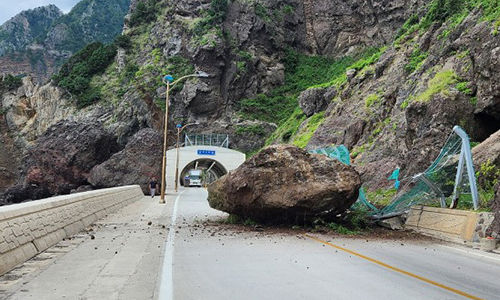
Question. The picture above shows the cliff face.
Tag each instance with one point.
(37, 41)
(244, 48)
(26, 28)
(242, 44)
(399, 113)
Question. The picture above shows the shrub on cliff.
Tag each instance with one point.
(75, 75)
(10, 82)
(144, 12)
(214, 17)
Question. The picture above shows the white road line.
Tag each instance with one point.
(482, 255)
(167, 278)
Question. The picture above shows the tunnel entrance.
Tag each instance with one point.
(211, 169)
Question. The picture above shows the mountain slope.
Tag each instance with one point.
(37, 41)
(26, 28)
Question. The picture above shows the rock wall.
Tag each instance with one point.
(50, 146)
(383, 116)
(140, 161)
(336, 28)
(9, 157)
(247, 59)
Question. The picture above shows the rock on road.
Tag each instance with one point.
(195, 257)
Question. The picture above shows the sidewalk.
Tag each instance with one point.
(119, 257)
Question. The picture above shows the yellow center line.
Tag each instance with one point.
(396, 269)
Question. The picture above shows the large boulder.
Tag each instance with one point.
(136, 164)
(494, 229)
(61, 160)
(488, 152)
(284, 183)
(63, 157)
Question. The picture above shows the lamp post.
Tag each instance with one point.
(180, 128)
(169, 81)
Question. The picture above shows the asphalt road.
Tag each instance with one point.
(215, 263)
(181, 251)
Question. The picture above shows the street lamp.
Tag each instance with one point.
(169, 81)
(180, 128)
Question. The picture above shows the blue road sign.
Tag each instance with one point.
(206, 152)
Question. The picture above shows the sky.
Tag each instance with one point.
(10, 8)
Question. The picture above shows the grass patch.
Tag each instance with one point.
(463, 87)
(381, 197)
(358, 150)
(256, 129)
(305, 135)
(287, 130)
(352, 222)
(372, 99)
(439, 84)
(417, 58)
(340, 229)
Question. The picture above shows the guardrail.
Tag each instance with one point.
(27, 229)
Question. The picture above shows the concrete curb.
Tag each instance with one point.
(458, 226)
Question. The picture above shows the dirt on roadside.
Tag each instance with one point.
(373, 232)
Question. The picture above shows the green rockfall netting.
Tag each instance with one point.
(337, 152)
(434, 186)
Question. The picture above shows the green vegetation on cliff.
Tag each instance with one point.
(453, 12)
(76, 74)
(9, 83)
(91, 21)
(305, 134)
(212, 19)
(440, 83)
(303, 72)
(144, 12)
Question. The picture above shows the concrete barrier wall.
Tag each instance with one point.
(29, 228)
(449, 224)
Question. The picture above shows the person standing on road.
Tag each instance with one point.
(152, 187)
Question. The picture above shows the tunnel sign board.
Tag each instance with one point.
(206, 152)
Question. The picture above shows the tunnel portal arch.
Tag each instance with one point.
(217, 161)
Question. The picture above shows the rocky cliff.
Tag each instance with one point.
(399, 110)
(39, 40)
(389, 79)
